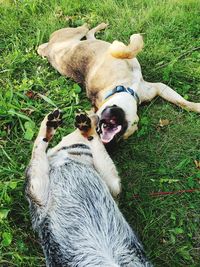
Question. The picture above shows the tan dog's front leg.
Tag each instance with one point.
(150, 90)
(102, 161)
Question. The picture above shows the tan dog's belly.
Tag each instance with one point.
(101, 67)
(90, 63)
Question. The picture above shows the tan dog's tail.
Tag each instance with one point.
(120, 50)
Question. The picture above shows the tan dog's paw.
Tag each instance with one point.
(42, 50)
(102, 26)
(197, 163)
(198, 107)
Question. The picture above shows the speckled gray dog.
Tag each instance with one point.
(78, 222)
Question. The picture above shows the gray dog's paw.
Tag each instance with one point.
(54, 119)
(82, 122)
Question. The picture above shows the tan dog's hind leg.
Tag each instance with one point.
(120, 50)
(164, 91)
(61, 37)
(91, 33)
(67, 34)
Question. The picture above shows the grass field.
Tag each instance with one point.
(154, 159)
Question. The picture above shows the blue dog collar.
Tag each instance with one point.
(120, 89)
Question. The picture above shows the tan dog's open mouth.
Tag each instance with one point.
(108, 133)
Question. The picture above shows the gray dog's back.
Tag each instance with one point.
(81, 225)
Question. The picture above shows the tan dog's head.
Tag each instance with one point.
(112, 123)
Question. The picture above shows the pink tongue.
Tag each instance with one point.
(107, 135)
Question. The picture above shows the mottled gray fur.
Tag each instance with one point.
(78, 222)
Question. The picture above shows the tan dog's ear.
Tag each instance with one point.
(42, 50)
(130, 131)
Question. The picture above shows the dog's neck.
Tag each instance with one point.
(120, 89)
(125, 101)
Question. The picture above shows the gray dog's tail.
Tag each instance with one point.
(120, 50)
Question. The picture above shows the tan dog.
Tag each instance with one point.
(111, 75)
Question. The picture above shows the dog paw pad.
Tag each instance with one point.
(54, 119)
(82, 122)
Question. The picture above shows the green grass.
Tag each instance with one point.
(153, 159)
